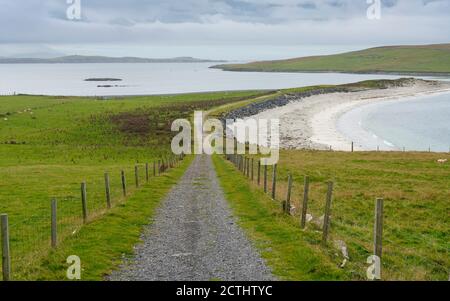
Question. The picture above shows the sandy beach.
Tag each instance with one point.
(311, 122)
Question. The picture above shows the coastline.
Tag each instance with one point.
(444, 75)
(312, 122)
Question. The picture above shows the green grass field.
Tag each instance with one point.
(49, 145)
(278, 238)
(429, 59)
(416, 193)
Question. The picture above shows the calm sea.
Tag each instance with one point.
(139, 79)
(415, 124)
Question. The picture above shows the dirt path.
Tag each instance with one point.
(194, 236)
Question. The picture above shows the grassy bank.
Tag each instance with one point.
(413, 185)
(427, 59)
(277, 237)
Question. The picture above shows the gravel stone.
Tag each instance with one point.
(194, 237)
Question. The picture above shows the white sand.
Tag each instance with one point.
(311, 123)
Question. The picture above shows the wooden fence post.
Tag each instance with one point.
(287, 208)
(84, 202)
(159, 167)
(326, 220)
(54, 237)
(136, 175)
(124, 184)
(378, 233)
(107, 191)
(265, 178)
(248, 167)
(6, 258)
(154, 168)
(274, 181)
(146, 172)
(259, 172)
(378, 229)
(305, 202)
(353, 146)
(253, 170)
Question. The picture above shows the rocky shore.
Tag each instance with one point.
(280, 101)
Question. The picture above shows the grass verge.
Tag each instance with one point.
(278, 238)
(104, 243)
(414, 187)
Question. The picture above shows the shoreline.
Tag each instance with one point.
(441, 75)
(363, 139)
(312, 122)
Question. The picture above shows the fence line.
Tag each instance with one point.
(286, 204)
(23, 244)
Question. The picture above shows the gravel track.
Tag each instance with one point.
(194, 237)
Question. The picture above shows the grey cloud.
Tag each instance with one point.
(224, 21)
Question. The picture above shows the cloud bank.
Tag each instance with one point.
(224, 22)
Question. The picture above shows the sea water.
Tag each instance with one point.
(157, 78)
(414, 124)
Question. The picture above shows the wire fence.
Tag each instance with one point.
(360, 233)
(30, 237)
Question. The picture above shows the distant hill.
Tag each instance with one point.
(425, 59)
(80, 59)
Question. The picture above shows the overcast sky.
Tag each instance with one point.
(230, 29)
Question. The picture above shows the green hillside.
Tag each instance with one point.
(427, 59)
